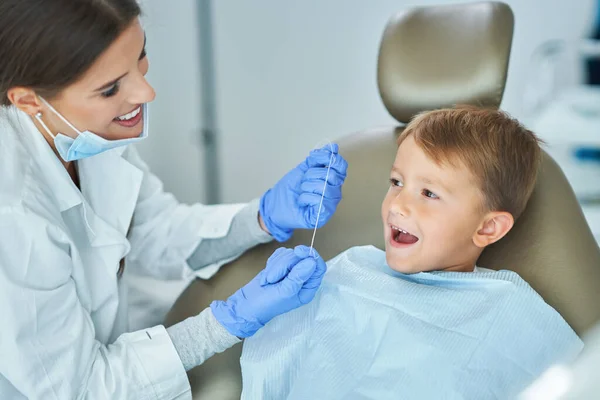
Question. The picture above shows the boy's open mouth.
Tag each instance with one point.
(403, 237)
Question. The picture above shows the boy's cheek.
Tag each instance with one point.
(385, 208)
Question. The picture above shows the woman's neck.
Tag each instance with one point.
(70, 166)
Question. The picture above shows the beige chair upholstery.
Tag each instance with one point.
(429, 58)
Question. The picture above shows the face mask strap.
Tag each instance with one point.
(60, 116)
(38, 116)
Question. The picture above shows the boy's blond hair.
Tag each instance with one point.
(502, 154)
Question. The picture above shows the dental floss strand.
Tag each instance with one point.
(312, 242)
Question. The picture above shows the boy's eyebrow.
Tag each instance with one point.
(427, 180)
(433, 182)
(424, 179)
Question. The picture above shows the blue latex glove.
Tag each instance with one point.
(293, 203)
(290, 280)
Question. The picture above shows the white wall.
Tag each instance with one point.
(173, 149)
(289, 75)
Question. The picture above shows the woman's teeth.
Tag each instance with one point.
(130, 115)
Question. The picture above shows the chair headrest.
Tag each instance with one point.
(435, 57)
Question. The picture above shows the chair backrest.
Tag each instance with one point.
(435, 57)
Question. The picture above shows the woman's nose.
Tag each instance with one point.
(142, 91)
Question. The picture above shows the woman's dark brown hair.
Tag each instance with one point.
(46, 45)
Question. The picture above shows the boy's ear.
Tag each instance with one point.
(495, 226)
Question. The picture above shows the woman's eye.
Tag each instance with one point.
(395, 182)
(112, 91)
(429, 194)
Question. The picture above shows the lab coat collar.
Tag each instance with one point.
(109, 183)
(52, 170)
(111, 186)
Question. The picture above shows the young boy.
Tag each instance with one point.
(460, 179)
(420, 320)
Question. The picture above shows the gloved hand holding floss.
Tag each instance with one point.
(312, 241)
(304, 198)
(313, 188)
(290, 280)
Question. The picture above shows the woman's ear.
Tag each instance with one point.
(495, 226)
(25, 100)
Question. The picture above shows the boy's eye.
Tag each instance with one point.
(429, 194)
(112, 91)
(395, 182)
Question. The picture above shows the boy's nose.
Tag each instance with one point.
(400, 205)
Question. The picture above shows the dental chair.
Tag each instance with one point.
(430, 57)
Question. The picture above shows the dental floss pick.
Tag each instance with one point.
(312, 242)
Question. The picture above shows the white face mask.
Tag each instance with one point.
(87, 144)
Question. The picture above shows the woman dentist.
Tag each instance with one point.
(78, 207)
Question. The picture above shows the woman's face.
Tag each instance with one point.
(107, 99)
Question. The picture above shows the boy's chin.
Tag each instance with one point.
(401, 264)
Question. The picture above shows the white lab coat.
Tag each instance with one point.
(63, 310)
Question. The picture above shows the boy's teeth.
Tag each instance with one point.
(130, 115)
(398, 229)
